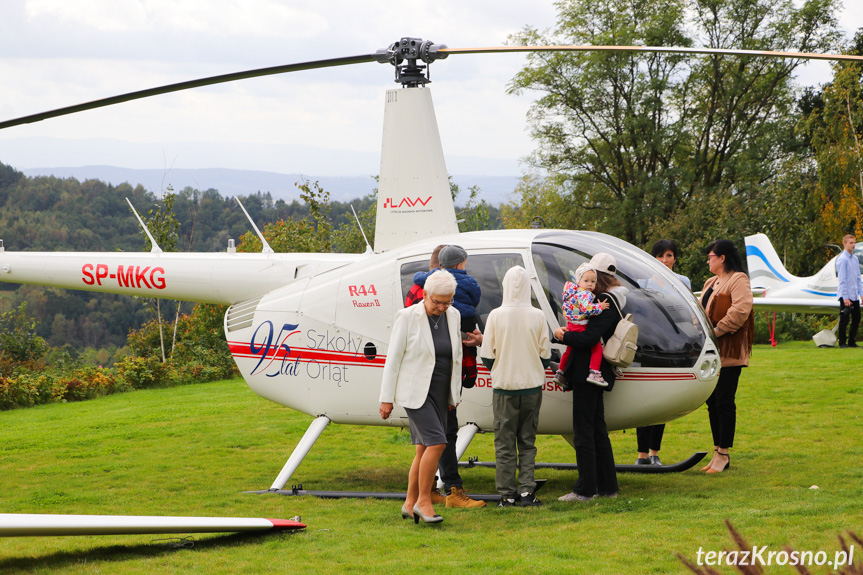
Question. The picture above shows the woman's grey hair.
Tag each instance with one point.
(441, 283)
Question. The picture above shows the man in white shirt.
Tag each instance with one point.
(850, 292)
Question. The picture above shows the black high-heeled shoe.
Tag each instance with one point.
(425, 518)
(406, 514)
(727, 464)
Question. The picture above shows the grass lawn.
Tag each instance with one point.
(193, 450)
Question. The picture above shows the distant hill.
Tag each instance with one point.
(495, 189)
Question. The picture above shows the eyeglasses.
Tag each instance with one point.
(711, 256)
(443, 304)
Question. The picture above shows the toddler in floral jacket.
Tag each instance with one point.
(579, 305)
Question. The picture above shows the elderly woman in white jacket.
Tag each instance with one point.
(422, 374)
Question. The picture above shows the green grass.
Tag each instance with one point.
(193, 450)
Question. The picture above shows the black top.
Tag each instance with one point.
(706, 296)
(442, 374)
(599, 327)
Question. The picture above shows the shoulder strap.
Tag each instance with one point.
(614, 301)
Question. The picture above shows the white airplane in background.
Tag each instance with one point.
(783, 292)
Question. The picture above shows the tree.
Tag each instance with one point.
(163, 225)
(835, 129)
(632, 139)
(538, 198)
(312, 234)
(20, 347)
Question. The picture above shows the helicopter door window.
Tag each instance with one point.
(669, 320)
(487, 269)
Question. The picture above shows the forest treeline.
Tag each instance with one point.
(52, 214)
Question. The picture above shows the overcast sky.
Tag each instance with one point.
(55, 53)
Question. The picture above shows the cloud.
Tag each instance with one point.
(215, 18)
(62, 52)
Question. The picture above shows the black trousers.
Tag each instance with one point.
(853, 314)
(650, 437)
(593, 453)
(721, 408)
(448, 464)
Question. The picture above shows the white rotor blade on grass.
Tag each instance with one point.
(41, 525)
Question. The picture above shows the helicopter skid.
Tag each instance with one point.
(688, 463)
(298, 490)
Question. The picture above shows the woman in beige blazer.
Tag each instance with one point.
(422, 374)
(727, 299)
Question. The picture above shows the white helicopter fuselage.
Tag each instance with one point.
(319, 345)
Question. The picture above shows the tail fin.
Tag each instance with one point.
(765, 267)
(414, 198)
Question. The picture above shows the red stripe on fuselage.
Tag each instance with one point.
(241, 350)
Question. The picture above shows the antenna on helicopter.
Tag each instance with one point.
(369, 249)
(537, 223)
(155, 249)
(266, 249)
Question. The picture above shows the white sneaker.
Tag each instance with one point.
(575, 497)
(595, 377)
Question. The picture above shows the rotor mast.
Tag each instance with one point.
(405, 53)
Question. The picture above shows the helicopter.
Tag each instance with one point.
(311, 331)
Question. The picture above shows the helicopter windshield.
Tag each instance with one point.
(670, 332)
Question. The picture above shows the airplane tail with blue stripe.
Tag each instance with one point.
(765, 268)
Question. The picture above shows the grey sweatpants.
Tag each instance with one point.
(515, 420)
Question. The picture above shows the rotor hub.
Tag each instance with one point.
(405, 56)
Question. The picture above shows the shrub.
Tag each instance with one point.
(14, 393)
(27, 389)
(20, 347)
(137, 372)
(790, 326)
(200, 352)
(85, 383)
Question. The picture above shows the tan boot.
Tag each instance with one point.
(437, 496)
(458, 498)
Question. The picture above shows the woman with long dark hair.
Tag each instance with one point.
(593, 454)
(650, 437)
(727, 299)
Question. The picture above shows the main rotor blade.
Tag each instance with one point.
(666, 49)
(188, 85)
(378, 58)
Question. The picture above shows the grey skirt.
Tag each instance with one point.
(427, 424)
